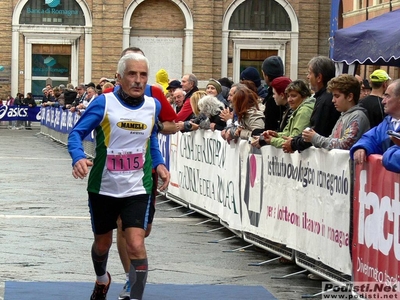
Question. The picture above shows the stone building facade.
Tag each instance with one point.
(80, 41)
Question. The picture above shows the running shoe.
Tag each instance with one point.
(100, 290)
(126, 291)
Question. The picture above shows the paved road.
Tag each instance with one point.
(45, 230)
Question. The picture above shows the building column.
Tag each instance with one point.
(294, 55)
(14, 60)
(188, 52)
(126, 34)
(88, 55)
(224, 53)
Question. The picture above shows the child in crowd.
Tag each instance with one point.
(353, 121)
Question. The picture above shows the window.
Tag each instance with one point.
(260, 15)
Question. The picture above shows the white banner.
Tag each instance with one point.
(205, 173)
(304, 203)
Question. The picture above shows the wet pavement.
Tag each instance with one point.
(45, 232)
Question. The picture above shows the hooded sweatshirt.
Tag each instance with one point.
(162, 79)
(349, 128)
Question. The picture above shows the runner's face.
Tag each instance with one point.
(135, 78)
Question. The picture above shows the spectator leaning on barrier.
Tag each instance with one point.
(302, 104)
(321, 69)
(376, 140)
(353, 122)
(189, 85)
(193, 124)
(214, 88)
(249, 112)
(211, 108)
(391, 157)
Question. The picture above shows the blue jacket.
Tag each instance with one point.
(391, 159)
(376, 140)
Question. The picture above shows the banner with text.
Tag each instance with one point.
(204, 173)
(376, 219)
(301, 201)
(20, 113)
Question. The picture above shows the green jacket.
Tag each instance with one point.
(299, 120)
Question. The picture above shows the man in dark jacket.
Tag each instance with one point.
(272, 68)
(321, 69)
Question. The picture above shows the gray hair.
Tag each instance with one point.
(210, 105)
(192, 78)
(396, 88)
(322, 65)
(131, 56)
(180, 90)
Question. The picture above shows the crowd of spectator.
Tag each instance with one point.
(342, 112)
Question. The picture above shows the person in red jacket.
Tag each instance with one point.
(189, 85)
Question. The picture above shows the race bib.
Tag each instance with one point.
(124, 160)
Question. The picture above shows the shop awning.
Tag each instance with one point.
(372, 42)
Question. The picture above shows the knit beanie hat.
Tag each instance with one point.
(251, 73)
(216, 84)
(280, 84)
(273, 66)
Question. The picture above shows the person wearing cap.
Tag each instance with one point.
(173, 85)
(279, 86)
(251, 73)
(365, 87)
(377, 140)
(272, 67)
(373, 103)
(102, 81)
(214, 88)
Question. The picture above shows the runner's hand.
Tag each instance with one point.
(165, 176)
(80, 169)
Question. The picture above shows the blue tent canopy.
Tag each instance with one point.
(372, 42)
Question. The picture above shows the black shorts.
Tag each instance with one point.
(104, 212)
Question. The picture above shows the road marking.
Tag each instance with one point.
(40, 217)
(33, 158)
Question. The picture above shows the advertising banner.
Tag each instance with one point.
(204, 172)
(376, 219)
(304, 202)
(20, 113)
